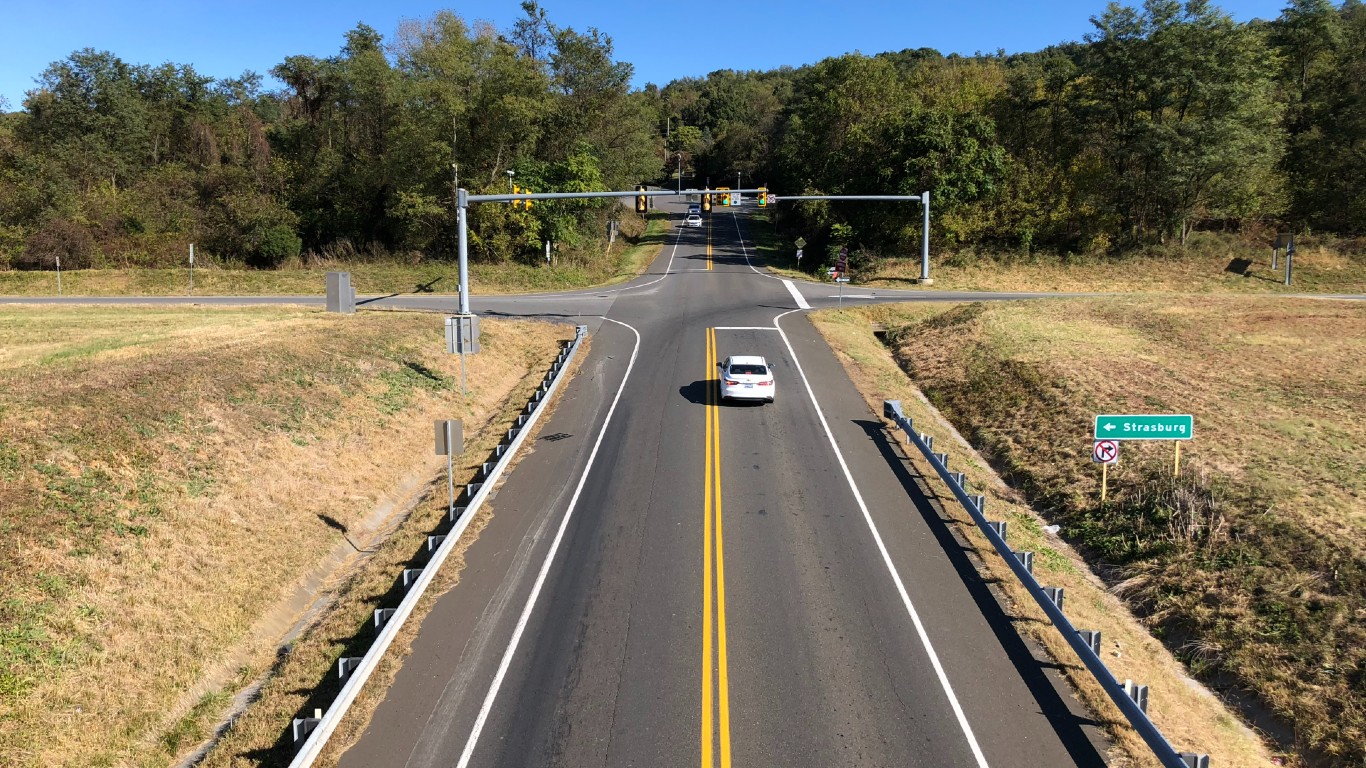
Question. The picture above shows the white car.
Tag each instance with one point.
(746, 377)
(693, 220)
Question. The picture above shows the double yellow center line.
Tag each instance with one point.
(714, 731)
(709, 267)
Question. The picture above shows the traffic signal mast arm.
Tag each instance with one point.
(505, 197)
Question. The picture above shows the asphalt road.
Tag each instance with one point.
(668, 581)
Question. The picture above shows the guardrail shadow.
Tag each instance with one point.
(1031, 663)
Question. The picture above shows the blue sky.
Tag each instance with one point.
(664, 41)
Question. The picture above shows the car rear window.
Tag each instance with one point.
(744, 369)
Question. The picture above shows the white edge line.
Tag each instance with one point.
(584, 293)
(313, 746)
(886, 557)
(796, 295)
(545, 567)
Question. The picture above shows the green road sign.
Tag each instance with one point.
(1145, 427)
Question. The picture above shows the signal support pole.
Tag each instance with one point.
(924, 278)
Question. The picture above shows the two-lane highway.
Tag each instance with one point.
(672, 581)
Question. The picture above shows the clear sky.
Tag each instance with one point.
(664, 41)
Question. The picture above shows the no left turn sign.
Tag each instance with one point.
(1105, 452)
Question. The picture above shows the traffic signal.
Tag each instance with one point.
(641, 200)
(516, 190)
(763, 196)
(706, 201)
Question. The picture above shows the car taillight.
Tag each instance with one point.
(731, 382)
(768, 383)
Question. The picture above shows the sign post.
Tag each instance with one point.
(191, 268)
(450, 440)
(462, 337)
(1177, 427)
(1105, 453)
(59, 274)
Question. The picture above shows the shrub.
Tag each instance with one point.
(58, 238)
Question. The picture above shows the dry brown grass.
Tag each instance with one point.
(1320, 267)
(1269, 600)
(306, 678)
(168, 475)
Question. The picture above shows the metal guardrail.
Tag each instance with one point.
(314, 731)
(1131, 699)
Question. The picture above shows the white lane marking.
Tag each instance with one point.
(745, 328)
(735, 220)
(595, 294)
(886, 557)
(545, 567)
(796, 295)
(853, 296)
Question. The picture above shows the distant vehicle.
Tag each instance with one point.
(693, 220)
(695, 208)
(746, 377)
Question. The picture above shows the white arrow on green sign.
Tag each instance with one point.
(1145, 427)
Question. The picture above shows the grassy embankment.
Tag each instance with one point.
(1202, 267)
(638, 243)
(171, 477)
(1251, 567)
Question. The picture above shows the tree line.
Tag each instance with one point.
(1165, 118)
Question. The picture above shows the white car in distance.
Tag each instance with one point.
(746, 377)
(693, 220)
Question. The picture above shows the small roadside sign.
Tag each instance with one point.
(1105, 452)
(1145, 427)
(799, 254)
(771, 199)
(800, 242)
(842, 264)
(841, 279)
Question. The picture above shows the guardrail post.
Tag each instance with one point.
(1092, 638)
(961, 479)
(928, 440)
(433, 542)
(457, 513)
(1193, 760)
(410, 575)
(305, 725)
(1026, 559)
(980, 502)
(382, 616)
(471, 489)
(943, 459)
(1054, 594)
(345, 664)
(1139, 693)
(999, 526)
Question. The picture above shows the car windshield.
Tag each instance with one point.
(747, 369)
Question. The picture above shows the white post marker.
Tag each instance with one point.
(191, 267)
